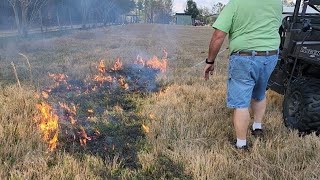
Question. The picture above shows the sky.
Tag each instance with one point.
(180, 5)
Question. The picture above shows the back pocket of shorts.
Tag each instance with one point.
(240, 68)
(239, 74)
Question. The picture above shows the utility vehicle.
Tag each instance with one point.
(297, 74)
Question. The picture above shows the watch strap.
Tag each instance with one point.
(209, 62)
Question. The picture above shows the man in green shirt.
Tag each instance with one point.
(252, 26)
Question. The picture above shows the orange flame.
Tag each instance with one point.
(154, 62)
(70, 111)
(59, 78)
(102, 67)
(102, 70)
(152, 116)
(83, 137)
(101, 78)
(145, 128)
(90, 113)
(48, 124)
(123, 83)
(117, 65)
(45, 94)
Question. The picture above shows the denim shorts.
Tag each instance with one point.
(248, 78)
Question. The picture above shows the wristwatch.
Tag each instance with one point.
(209, 62)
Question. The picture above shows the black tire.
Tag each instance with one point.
(301, 105)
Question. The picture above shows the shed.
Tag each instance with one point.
(183, 19)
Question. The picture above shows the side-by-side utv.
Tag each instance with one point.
(297, 74)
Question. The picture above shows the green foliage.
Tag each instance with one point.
(288, 3)
(217, 8)
(192, 9)
(140, 5)
(158, 11)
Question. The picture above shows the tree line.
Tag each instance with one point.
(23, 15)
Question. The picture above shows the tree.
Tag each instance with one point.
(163, 11)
(192, 9)
(120, 7)
(25, 11)
(140, 6)
(205, 11)
(158, 11)
(149, 8)
(217, 8)
(85, 6)
(205, 15)
(39, 13)
(288, 3)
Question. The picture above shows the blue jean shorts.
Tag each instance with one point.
(248, 78)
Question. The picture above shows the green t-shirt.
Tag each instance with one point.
(251, 24)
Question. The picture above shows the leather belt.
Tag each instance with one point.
(255, 53)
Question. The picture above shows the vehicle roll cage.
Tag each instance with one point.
(306, 3)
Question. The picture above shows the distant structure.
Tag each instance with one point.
(131, 18)
(183, 19)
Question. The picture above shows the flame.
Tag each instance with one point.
(45, 94)
(90, 113)
(101, 78)
(117, 65)
(72, 120)
(48, 119)
(48, 124)
(102, 70)
(59, 78)
(83, 136)
(123, 83)
(152, 116)
(101, 67)
(70, 112)
(154, 62)
(139, 60)
(145, 128)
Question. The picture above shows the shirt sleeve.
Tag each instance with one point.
(225, 18)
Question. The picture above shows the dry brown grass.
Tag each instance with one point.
(23, 155)
(190, 127)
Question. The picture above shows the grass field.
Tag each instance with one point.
(179, 130)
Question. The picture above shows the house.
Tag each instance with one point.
(183, 19)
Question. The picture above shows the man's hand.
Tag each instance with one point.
(208, 69)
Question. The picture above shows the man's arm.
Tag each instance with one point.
(214, 47)
(215, 44)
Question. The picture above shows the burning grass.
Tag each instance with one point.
(86, 110)
(126, 117)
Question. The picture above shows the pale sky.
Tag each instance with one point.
(180, 5)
